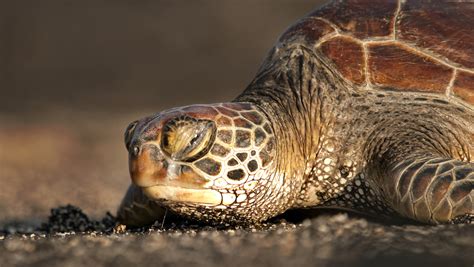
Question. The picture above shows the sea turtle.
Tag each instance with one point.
(361, 105)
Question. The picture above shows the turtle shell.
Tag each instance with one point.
(401, 45)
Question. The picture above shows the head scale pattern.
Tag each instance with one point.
(228, 148)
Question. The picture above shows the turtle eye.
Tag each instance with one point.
(187, 139)
(129, 133)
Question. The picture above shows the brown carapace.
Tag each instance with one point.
(361, 105)
(422, 46)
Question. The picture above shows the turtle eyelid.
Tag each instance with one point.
(201, 143)
(195, 138)
(187, 139)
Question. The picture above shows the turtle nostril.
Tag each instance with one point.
(135, 150)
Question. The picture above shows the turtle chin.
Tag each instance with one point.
(203, 204)
(174, 194)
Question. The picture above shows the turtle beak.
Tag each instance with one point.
(162, 179)
(147, 166)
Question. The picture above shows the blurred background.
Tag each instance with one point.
(73, 74)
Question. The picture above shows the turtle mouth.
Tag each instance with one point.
(162, 179)
(173, 184)
(149, 168)
(208, 197)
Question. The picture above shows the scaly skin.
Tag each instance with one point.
(339, 146)
(355, 138)
(362, 135)
(234, 177)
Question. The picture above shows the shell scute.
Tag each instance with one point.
(362, 18)
(441, 27)
(348, 56)
(310, 29)
(463, 86)
(394, 66)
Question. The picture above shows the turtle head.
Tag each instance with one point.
(213, 162)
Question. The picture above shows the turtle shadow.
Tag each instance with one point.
(298, 216)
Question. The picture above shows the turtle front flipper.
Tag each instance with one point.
(431, 190)
(138, 210)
